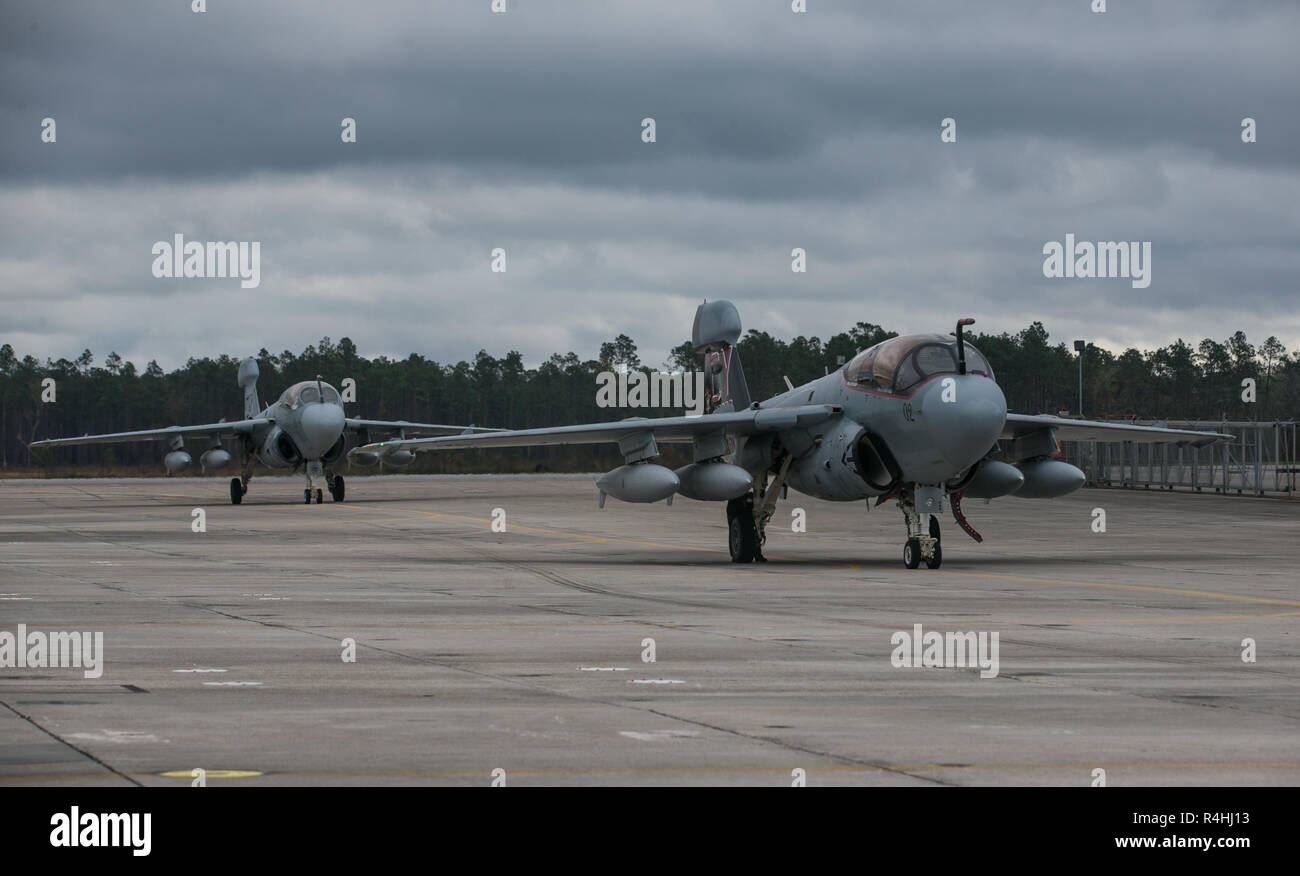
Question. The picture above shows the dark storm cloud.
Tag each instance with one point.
(522, 130)
(557, 90)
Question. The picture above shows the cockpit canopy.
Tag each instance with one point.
(309, 391)
(899, 364)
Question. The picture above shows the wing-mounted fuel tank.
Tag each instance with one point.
(713, 481)
(396, 457)
(638, 482)
(1048, 479)
(214, 458)
(279, 451)
(1046, 476)
(991, 479)
(177, 460)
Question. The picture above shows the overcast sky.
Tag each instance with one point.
(523, 131)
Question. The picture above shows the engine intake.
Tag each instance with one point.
(279, 451)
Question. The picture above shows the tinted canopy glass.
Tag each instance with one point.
(899, 364)
(309, 391)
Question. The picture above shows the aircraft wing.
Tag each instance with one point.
(1019, 425)
(395, 425)
(664, 429)
(225, 429)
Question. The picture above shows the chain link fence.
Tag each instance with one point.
(1262, 459)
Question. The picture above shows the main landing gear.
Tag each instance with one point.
(747, 517)
(336, 488)
(239, 485)
(742, 532)
(922, 544)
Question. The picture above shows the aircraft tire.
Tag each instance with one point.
(336, 489)
(935, 561)
(912, 553)
(306, 496)
(742, 538)
(236, 491)
(320, 496)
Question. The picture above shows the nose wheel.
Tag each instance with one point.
(912, 553)
(922, 544)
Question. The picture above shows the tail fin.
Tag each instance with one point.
(715, 333)
(248, 380)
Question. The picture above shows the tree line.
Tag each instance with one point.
(1178, 381)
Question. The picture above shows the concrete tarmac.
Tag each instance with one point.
(478, 650)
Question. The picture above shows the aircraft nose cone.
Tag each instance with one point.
(322, 424)
(965, 416)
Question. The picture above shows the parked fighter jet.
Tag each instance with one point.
(914, 418)
(304, 430)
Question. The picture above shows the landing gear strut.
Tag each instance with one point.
(239, 485)
(922, 535)
(315, 471)
(747, 517)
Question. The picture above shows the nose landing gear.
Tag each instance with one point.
(923, 537)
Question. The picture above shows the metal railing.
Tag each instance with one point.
(1261, 459)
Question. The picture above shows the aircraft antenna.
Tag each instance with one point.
(961, 346)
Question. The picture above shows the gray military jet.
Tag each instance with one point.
(915, 418)
(304, 430)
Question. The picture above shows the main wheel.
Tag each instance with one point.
(937, 560)
(236, 491)
(320, 496)
(742, 538)
(912, 553)
(336, 489)
(306, 496)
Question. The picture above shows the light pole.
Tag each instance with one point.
(1078, 348)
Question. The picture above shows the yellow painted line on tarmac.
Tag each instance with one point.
(890, 768)
(1142, 587)
(1113, 620)
(698, 770)
(213, 774)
